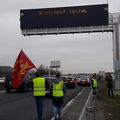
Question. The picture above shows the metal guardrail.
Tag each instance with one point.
(88, 107)
(69, 30)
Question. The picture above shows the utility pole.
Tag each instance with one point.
(107, 1)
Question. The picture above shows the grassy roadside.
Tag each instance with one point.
(111, 104)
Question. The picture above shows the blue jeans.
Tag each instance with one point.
(57, 111)
(39, 106)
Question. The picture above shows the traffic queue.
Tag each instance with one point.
(70, 81)
(21, 79)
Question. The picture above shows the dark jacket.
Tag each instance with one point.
(109, 80)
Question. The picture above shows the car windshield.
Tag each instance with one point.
(83, 78)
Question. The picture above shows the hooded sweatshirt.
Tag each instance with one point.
(58, 101)
(57, 80)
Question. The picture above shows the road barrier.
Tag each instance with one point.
(90, 106)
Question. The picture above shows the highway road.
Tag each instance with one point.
(21, 106)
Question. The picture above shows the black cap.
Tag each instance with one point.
(57, 74)
(37, 74)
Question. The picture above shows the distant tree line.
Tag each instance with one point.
(42, 69)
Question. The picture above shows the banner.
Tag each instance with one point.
(22, 65)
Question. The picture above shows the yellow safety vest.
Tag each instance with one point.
(39, 86)
(94, 82)
(58, 89)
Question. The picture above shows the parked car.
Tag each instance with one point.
(83, 81)
(69, 82)
(64, 78)
(26, 85)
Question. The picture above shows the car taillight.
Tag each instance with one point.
(70, 81)
(88, 81)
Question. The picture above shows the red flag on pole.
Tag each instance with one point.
(22, 65)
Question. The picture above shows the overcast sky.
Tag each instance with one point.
(77, 53)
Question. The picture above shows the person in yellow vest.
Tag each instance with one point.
(94, 83)
(58, 92)
(39, 91)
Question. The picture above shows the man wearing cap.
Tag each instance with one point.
(39, 91)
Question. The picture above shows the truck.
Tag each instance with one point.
(26, 85)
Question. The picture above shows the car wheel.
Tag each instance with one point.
(7, 88)
(23, 88)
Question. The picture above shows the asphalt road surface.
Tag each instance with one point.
(21, 106)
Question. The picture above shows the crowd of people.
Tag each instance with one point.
(40, 84)
(95, 79)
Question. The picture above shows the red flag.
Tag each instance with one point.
(22, 65)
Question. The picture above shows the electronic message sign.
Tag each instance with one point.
(91, 15)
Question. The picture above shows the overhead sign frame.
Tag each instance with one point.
(63, 17)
